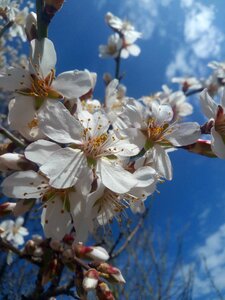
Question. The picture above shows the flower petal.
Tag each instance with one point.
(58, 124)
(208, 105)
(43, 57)
(73, 84)
(64, 167)
(218, 146)
(40, 151)
(55, 220)
(183, 134)
(114, 177)
(162, 162)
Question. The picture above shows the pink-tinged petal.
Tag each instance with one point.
(162, 162)
(58, 124)
(24, 185)
(134, 50)
(40, 151)
(15, 79)
(73, 84)
(183, 134)
(55, 221)
(161, 113)
(114, 177)
(218, 146)
(64, 167)
(208, 105)
(43, 57)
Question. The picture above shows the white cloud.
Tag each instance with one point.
(210, 254)
(143, 13)
(202, 39)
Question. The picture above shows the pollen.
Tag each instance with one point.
(34, 123)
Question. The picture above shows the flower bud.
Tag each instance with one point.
(107, 78)
(38, 252)
(103, 292)
(90, 281)
(56, 4)
(68, 254)
(56, 245)
(14, 161)
(94, 253)
(6, 208)
(30, 247)
(31, 26)
(114, 273)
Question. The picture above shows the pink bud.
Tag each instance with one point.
(6, 208)
(114, 273)
(90, 281)
(89, 252)
(103, 292)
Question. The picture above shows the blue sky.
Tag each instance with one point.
(179, 38)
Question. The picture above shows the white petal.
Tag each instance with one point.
(73, 84)
(183, 134)
(124, 53)
(145, 176)
(208, 105)
(58, 124)
(134, 50)
(161, 113)
(78, 214)
(56, 222)
(15, 79)
(40, 151)
(42, 55)
(162, 162)
(114, 177)
(64, 167)
(24, 185)
(218, 146)
(21, 114)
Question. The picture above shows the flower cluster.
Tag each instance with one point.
(85, 161)
(121, 42)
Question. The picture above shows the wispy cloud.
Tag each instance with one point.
(143, 13)
(202, 39)
(210, 255)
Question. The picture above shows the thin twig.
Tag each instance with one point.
(12, 137)
(6, 246)
(6, 27)
(131, 235)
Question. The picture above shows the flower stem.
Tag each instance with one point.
(42, 23)
(12, 137)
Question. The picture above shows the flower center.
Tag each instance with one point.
(93, 146)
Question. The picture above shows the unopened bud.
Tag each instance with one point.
(14, 161)
(38, 252)
(103, 292)
(31, 26)
(37, 239)
(56, 245)
(90, 281)
(107, 78)
(6, 208)
(68, 254)
(57, 4)
(114, 273)
(30, 247)
(94, 253)
(108, 17)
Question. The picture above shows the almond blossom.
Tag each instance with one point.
(34, 86)
(13, 231)
(90, 147)
(215, 113)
